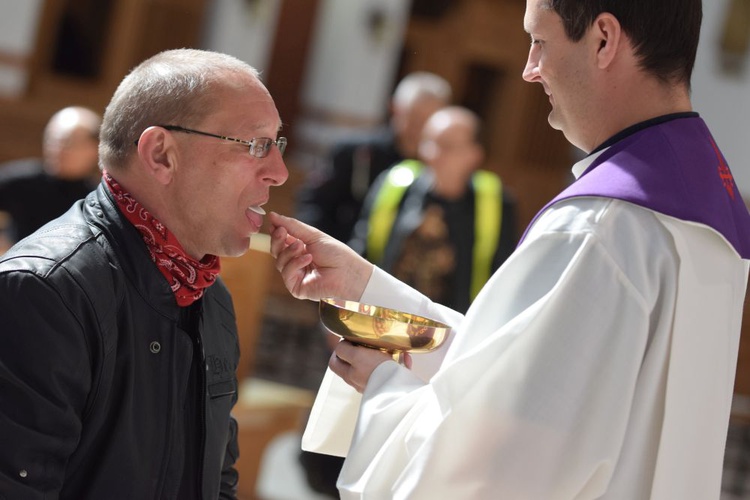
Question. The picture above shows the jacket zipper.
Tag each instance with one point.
(201, 411)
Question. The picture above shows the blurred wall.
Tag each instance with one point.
(722, 97)
(18, 22)
(354, 51)
(349, 76)
(242, 28)
(354, 57)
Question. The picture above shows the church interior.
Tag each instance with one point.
(330, 66)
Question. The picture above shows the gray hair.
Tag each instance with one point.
(419, 85)
(172, 87)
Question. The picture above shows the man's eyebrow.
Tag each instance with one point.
(260, 126)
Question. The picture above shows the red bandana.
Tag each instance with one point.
(186, 276)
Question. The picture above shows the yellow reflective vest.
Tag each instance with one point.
(488, 205)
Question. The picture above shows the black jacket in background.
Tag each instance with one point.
(33, 197)
(95, 369)
(460, 218)
(331, 197)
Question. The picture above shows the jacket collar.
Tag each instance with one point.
(101, 211)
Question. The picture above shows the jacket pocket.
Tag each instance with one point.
(222, 388)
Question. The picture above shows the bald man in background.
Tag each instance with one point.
(332, 195)
(439, 223)
(34, 191)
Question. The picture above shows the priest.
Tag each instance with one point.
(599, 360)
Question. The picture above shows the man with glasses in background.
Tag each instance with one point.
(110, 312)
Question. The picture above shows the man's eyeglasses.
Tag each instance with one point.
(259, 147)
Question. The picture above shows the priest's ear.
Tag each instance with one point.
(608, 38)
(157, 152)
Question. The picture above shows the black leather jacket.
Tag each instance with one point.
(95, 369)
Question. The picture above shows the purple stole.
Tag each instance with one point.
(674, 168)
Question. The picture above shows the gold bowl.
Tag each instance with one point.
(381, 328)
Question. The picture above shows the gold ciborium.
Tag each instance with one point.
(381, 328)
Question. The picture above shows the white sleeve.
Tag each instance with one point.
(386, 291)
(334, 413)
(532, 400)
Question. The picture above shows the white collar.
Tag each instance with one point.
(580, 167)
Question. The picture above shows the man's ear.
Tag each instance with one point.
(478, 154)
(607, 32)
(157, 152)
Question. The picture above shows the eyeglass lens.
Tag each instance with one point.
(260, 146)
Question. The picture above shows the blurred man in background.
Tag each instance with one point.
(440, 224)
(36, 190)
(332, 196)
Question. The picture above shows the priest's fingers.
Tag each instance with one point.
(355, 363)
(292, 260)
(289, 257)
(407, 360)
(280, 239)
(293, 226)
(285, 247)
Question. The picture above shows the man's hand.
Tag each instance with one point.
(355, 363)
(314, 265)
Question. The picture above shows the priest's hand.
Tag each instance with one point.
(355, 363)
(314, 265)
